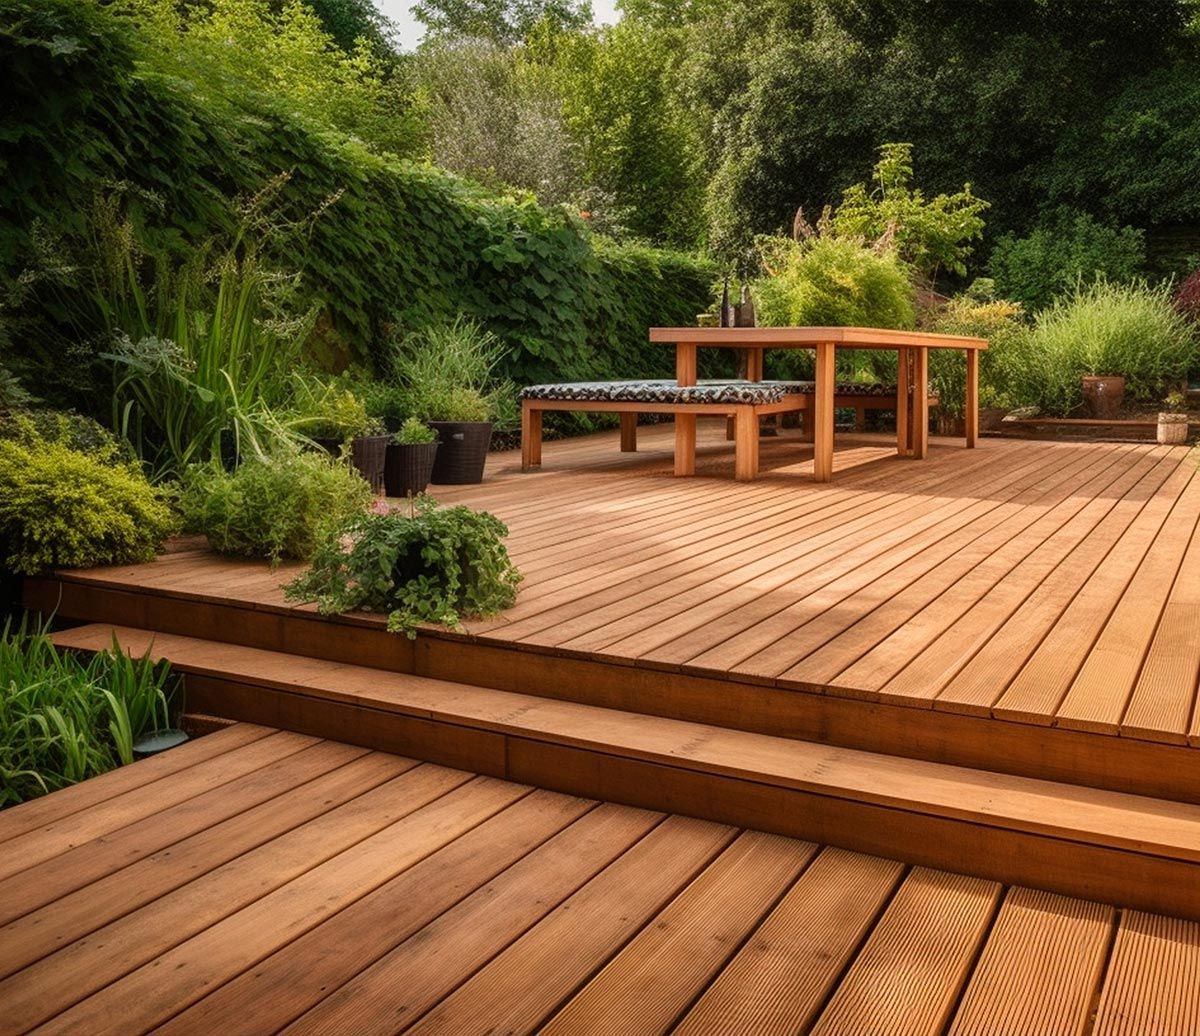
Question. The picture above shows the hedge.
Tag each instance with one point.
(379, 241)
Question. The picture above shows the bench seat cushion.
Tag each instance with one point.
(843, 388)
(659, 391)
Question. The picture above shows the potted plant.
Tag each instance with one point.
(1173, 422)
(336, 419)
(410, 456)
(446, 377)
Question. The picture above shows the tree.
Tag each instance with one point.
(501, 21)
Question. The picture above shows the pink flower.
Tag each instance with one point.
(380, 506)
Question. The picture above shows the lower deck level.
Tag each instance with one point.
(258, 880)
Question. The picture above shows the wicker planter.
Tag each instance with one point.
(367, 454)
(408, 467)
(1103, 396)
(991, 418)
(1172, 428)
(463, 451)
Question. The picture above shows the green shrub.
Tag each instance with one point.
(414, 432)
(60, 507)
(1109, 329)
(829, 281)
(277, 507)
(1066, 249)
(64, 717)
(377, 241)
(330, 410)
(1001, 322)
(431, 564)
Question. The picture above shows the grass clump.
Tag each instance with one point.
(66, 717)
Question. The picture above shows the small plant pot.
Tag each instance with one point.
(991, 418)
(408, 467)
(1103, 396)
(949, 424)
(367, 454)
(463, 451)
(1172, 428)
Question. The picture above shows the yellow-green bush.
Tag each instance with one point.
(60, 507)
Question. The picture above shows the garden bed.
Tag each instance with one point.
(1137, 429)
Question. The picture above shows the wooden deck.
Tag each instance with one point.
(1049, 589)
(258, 880)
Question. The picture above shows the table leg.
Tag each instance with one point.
(745, 444)
(685, 363)
(920, 408)
(823, 413)
(685, 444)
(971, 415)
(531, 437)
(903, 403)
(629, 433)
(754, 364)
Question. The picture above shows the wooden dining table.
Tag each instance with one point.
(912, 403)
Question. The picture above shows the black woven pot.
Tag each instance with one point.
(331, 446)
(408, 467)
(463, 452)
(367, 454)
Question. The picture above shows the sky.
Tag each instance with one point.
(409, 30)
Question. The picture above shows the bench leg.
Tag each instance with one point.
(745, 444)
(531, 437)
(685, 444)
(806, 424)
(629, 433)
(729, 428)
(860, 419)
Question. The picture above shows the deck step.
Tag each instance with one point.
(1095, 844)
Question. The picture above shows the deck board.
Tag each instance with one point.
(430, 901)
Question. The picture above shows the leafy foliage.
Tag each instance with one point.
(282, 506)
(501, 21)
(980, 314)
(1187, 297)
(378, 242)
(432, 564)
(329, 409)
(64, 718)
(1130, 330)
(60, 507)
(832, 281)
(414, 432)
(1066, 249)
(930, 235)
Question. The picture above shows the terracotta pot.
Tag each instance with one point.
(1103, 396)
(463, 451)
(991, 418)
(948, 424)
(408, 467)
(1172, 428)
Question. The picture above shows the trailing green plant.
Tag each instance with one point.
(276, 507)
(823, 280)
(422, 564)
(65, 717)
(1130, 330)
(414, 432)
(1065, 249)
(61, 507)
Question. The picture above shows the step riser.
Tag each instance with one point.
(1120, 764)
(1121, 877)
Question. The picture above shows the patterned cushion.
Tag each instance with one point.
(843, 388)
(659, 391)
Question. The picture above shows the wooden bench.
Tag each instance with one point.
(742, 402)
(852, 395)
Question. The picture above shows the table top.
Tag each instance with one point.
(808, 337)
